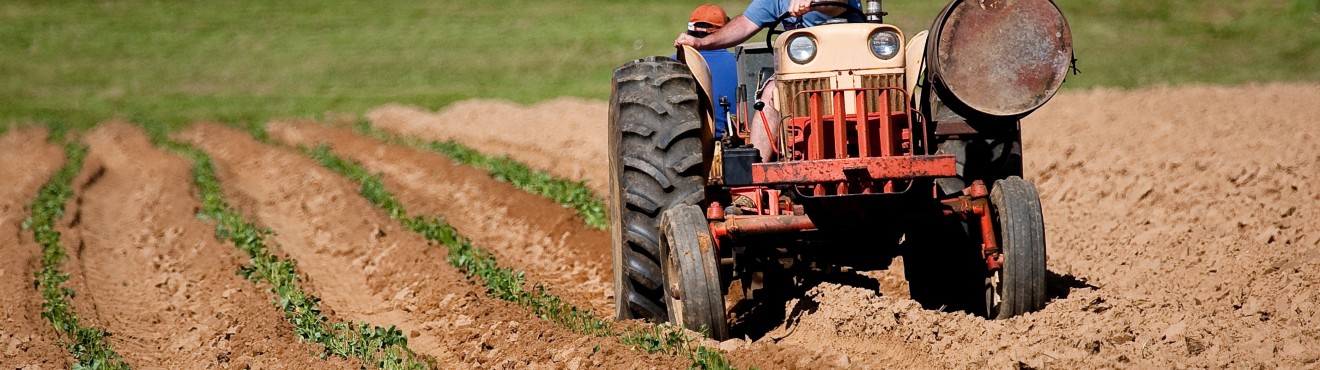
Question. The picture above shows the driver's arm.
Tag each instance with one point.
(799, 7)
(738, 30)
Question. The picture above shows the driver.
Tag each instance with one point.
(760, 14)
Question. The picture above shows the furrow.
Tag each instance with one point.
(523, 231)
(366, 268)
(511, 285)
(157, 277)
(26, 340)
(59, 277)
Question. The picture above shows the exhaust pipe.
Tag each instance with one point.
(874, 12)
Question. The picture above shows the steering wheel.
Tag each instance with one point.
(775, 29)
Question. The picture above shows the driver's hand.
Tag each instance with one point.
(686, 39)
(799, 7)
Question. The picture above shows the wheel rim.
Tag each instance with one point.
(672, 284)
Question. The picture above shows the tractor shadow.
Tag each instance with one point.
(1060, 286)
(755, 319)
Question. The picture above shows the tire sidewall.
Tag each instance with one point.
(1021, 233)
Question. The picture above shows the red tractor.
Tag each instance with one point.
(886, 148)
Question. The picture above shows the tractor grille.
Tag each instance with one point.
(800, 105)
(887, 80)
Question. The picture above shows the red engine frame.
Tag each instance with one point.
(846, 154)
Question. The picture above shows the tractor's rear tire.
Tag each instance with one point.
(655, 164)
(1019, 287)
(694, 292)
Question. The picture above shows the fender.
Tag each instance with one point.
(697, 65)
(916, 57)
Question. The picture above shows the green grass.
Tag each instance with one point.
(377, 347)
(571, 194)
(87, 344)
(78, 62)
(511, 285)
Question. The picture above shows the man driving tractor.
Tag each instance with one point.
(704, 21)
(759, 14)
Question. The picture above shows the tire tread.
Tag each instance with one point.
(655, 128)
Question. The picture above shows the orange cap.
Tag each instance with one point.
(709, 13)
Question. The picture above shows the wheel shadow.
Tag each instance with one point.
(1060, 286)
(755, 319)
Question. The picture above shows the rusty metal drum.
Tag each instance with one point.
(998, 58)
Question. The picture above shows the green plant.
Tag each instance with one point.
(377, 347)
(571, 194)
(87, 344)
(510, 285)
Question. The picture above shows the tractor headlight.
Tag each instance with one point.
(801, 49)
(884, 44)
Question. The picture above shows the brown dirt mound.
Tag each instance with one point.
(1179, 222)
(367, 269)
(26, 339)
(156, 278)
(562, 136)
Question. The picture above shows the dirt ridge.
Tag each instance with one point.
(156, 277)
(524, 231)
(26, 339)
(365, 267)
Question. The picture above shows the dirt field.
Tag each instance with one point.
(1181, 235)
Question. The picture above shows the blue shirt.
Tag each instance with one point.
(764, 12)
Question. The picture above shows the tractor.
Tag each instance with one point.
(889, 146)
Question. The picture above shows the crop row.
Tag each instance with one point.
(87, 344)
(377, 347)
(510, 285)
(571, 194)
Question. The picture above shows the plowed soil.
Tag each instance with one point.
(156, 278)
(567, 140)
(26, 339)
(367, 269)
(1180, 221)
(1180, 224)
(524, 231)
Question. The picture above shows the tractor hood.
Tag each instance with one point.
(998, 58)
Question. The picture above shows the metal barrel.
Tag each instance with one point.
(998, 58)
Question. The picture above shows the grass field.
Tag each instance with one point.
(74, 63)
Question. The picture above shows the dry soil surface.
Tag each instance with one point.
(366, 268)
(26, 339)
(524, 231)
(562, 136)
(156, 277)
(1180, 223)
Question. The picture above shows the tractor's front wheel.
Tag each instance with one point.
(693, 291)
(1018, 287)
